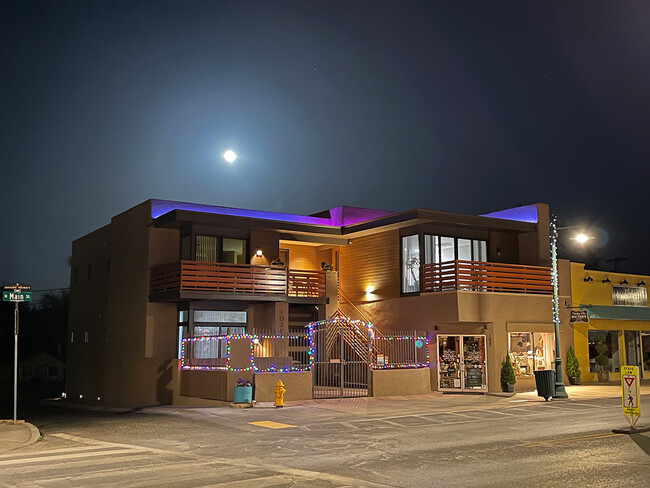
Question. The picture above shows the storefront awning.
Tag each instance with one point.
(617, 313)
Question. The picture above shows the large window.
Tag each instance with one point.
(410, 264)
(531, 351)
(608, 353)
(215, 249)
(438, 249)
(211, 323)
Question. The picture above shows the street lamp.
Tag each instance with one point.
(560, 390)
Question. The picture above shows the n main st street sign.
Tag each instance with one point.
(17, 293)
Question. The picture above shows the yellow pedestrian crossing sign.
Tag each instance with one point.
(630, 384)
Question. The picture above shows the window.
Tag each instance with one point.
(218, 316)
(439, 249)
(233, 251)
(90, 269)
(410, 264)
(186, 251)
(72, 337)
(531, 351)
(206, 248)
(74, 276)
(86, 336)
(216, 323)
(603, 351)
(182, 334)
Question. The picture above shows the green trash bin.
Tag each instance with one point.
(545, 383)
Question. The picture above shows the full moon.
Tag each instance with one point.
(230, 156)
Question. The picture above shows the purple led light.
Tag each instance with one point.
(340, 216)
(527, 213)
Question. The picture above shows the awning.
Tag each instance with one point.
(617, 313)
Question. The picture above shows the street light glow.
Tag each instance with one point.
(582, 238)
(230, 156)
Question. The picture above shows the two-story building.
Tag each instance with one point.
(164, 273)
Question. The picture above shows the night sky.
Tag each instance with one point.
(466, 107)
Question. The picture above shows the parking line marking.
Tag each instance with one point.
(269, 424)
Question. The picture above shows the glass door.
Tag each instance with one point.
(462, 363)
(632, 349)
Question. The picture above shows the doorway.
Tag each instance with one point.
(462, 363)
(633, 349)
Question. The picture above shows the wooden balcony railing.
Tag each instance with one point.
(236, 278)
(483, 276)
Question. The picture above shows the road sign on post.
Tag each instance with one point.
(630, 385)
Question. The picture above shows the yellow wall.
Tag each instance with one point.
(598, 293)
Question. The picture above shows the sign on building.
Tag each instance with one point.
(578, 316)
(630, 385)
(630, 296)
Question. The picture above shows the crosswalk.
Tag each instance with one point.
(89, 462)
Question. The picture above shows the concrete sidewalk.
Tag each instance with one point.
(15, 436)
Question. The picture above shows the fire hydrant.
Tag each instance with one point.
(279, 394)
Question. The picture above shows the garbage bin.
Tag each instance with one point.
(545, 383)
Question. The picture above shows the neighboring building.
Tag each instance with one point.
(618, 314)
(41, 367)
(165, 272)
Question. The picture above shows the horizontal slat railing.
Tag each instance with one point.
(236, 278)
(484, 276)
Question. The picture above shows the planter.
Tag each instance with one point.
(574, 380)
(603, 376)
(243, 394)
(508, 387)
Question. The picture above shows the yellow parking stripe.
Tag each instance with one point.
(269, 424)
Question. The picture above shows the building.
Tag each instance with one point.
(617, 314)
(165, 276)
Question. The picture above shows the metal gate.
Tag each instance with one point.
(341, 352)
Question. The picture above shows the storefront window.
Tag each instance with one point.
(531, 351)
(611, 360)
(645, 347)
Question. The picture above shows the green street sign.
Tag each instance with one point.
(12, 296)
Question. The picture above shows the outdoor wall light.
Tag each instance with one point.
(484, 326)
(435, 327)
(606, 280)
(64, 395)
(641, 283)
(258, 253)
(256, 341)
(80, 397)
(588, 278)
(623, 281)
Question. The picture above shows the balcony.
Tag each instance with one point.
(489, 277)
(186, 278)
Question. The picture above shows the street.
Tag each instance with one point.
(429, 440)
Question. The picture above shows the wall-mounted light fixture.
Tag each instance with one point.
(623, 281)
(641, 283)
(258, 253)
(606, 280)
(588, 278)
(484, 326)
(435, 327)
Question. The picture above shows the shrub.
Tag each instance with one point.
(572, 365)
(508, 372)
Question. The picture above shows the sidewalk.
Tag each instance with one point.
(15, 436)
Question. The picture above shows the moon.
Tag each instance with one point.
(230, 156)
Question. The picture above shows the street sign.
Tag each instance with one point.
(579, 316)
(16, 296)
(17, 286)
(630, 385)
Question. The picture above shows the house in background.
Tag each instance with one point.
(165, 274)
(618, 315)
(41, 367)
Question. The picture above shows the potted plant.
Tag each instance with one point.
(508, 378)
(572, 367)
(602, 360)
(243, 391)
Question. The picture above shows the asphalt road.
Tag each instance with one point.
(419, 442)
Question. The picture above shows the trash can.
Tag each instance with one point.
(545, 383)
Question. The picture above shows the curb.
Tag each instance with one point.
(35, 435)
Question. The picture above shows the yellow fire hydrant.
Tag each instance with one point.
(279, 394)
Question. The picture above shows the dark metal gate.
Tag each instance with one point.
(341, 359)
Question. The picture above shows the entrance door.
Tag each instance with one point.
(462, 363)
(633, 349)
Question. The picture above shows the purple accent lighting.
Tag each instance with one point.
(527, 213)
(340, 216)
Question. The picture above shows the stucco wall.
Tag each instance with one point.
(298, 385)
(397, 382)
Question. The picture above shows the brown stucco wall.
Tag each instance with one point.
(400, 382)
(298, 385)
